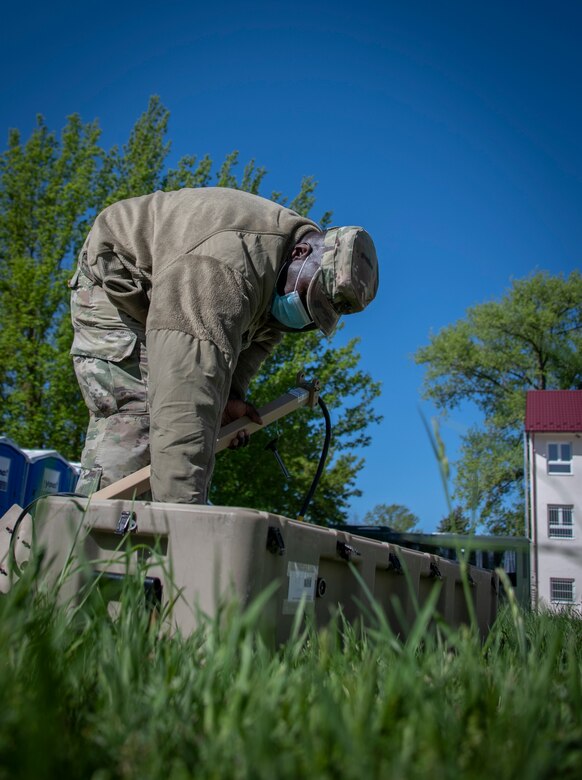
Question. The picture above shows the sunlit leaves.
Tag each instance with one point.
(531, 339)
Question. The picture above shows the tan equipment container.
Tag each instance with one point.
(192, 558)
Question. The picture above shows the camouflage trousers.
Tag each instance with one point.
(110, 361)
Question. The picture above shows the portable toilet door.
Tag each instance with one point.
(13, 467)
(75, 474)
(48, 472)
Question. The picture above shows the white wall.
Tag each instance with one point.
(555, 558)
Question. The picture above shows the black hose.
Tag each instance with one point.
(321, 464)
(13, 565)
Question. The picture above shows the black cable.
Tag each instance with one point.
(322, 459)
(13, 565)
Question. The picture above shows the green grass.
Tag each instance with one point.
(85, 697)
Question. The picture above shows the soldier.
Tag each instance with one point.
(177, 300)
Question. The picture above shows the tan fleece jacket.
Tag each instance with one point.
(198, 267)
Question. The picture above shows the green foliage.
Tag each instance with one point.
(396, 516)
(456, 522)
(50, 190)
(86, 697)
(491, 477)
(530, 340)
(45, 191)
(138, 169)
(305, 200)
(251, 476)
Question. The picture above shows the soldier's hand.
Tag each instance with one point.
(235, 409)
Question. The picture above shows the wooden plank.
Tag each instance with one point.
(137, 483)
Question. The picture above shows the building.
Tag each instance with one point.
(553, 441)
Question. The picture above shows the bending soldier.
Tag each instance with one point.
(177, 299)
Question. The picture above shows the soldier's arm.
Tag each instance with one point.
(189, 381)
(250, 361)
(200, 308)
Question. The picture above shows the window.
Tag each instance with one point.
(560, 522)
(560, 458)
(561, 591)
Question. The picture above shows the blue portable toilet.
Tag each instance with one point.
(13, 468)
(76, 467)
(48, 472)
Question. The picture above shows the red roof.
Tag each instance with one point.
(553, 410)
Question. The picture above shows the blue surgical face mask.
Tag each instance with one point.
(289, 309)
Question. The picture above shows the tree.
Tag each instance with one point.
(529, 340)
(395, 516)
(456, 522)
(45, 192)
(50, 190)
(251, 477)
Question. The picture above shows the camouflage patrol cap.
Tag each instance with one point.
(347, 279)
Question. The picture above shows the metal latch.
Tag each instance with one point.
(435, 572)
(394, 563)
(346, 552)
(126, 524)
(275, 541)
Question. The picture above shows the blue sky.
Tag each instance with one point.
(451, 131)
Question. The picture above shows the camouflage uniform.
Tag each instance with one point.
(186, 280)
(110, 360)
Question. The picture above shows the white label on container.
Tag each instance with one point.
(50, 481)
(302, 582)
(4, 473)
